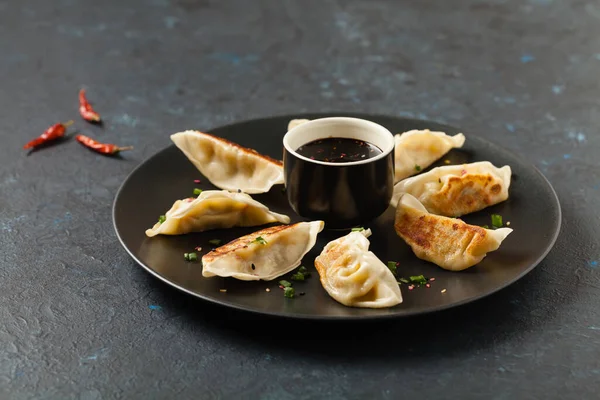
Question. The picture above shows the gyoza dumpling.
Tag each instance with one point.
(456, 190)
(214, 209)
(265, 254)
(228, 165)
(354, 276)
(447, 242)
(417, 150)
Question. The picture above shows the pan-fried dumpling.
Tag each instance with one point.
(447, 242)
(418, 149)
(265, 254)
(228, 165)
(457, 190)
(354, 276)
(215, 209)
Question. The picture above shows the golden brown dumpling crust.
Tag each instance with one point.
(447, 242)
(242, 242)
(466, 194)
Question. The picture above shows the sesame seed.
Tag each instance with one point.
(267, 290)
(443, 291)
(507, 223)
(446, 161)
(431, 279)
(223, 290)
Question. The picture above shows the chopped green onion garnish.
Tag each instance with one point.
(303, 270)
(215, 242)
(358, 229)
(289, 292)
(285, 283)
(497, 221)
(404, 280)
(392, 266)
(197, 192)
(162, 219)
(297, 276)
(417, 168)
(419, 279)
(259, 240)
(192, 257)
(485, 227)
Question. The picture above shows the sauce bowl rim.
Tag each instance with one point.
(315, 123)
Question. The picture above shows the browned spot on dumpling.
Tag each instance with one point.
(465, 194)
(243, 241)
(244, 149)
(418, 230)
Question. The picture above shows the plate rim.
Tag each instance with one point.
(302, 115)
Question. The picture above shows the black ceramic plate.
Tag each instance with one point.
(532, 209)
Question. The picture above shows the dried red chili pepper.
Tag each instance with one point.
(100, 147)
(54, 132)
(86, 110)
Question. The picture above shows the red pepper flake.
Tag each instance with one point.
(86, 110)
(198, 248)
(281, 287)
(312, 157)
(196, 180)
(411, 287)
(54, 132)
(463, 172)
(103, 148)
(427, 285)
(190, 199)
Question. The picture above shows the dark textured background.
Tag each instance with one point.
(79, 319)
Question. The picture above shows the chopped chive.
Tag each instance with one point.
(485, 227)
(297, 277)
(162, 219)
(497, 221)
(197, 192)
(418, 279)
(303, 270)
(417, 168)
(285, 283)
(392, 266)
(259, 240)
(186, 256)
(289, 292)
(358, 229)
(190, 256)
(404, 280)
(215, 242)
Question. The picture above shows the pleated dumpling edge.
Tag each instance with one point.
(228, 165)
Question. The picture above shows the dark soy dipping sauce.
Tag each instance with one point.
(339, 150)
